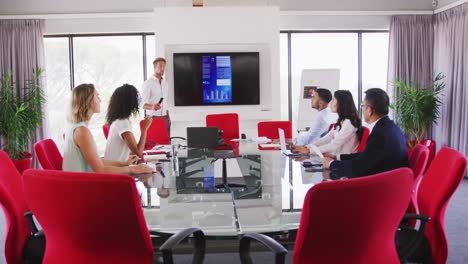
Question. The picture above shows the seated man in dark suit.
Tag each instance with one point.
(385, 148)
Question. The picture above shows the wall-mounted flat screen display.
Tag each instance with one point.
(231, 78)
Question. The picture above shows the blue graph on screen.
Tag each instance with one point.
(217, 79)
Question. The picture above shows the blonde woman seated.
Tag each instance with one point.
(345, 136)
(121, 142)
(80, 153)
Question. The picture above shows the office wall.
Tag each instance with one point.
(217, 29)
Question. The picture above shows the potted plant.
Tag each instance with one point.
(416, 109)
(20, 117)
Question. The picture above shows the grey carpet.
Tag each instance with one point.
(456, 222)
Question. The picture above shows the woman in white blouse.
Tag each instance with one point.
(121, 142)
(344, 138)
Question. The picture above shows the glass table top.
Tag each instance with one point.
(265, 192)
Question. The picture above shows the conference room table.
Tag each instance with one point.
(269, 203)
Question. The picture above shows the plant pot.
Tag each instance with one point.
(23, 164)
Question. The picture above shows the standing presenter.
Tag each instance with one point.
(155, 92)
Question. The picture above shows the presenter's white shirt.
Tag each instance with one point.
(116, 148)
(152, 91)
(344, 141)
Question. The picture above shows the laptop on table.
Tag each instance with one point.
(285, 151)
(202, 137)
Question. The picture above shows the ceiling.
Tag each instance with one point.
(26, 7)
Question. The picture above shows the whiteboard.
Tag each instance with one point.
(314, 78)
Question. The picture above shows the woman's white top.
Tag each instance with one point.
(116, 147)
(344, 141)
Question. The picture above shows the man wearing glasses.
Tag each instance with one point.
(385, 148)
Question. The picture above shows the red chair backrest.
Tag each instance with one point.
(229, 123)
(48, 154)
(105, 130)
(353, 221)
(431, 144)
(157, 133)
(88, 217)
(437, 187)
(365, 135)
(418, 163)
(14, 206)
(269, 129)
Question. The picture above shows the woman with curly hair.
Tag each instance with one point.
(121, 141)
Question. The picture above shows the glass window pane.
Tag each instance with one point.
(374, 60)
(150, 54)
(57, 73)
(284, 75)
(107, 62)
(324, 51)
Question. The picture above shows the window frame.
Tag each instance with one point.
(359, 35)
(70, 38)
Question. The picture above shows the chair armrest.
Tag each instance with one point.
(411, 246)
(32, 225)
(244, 248)
(423, 218)
(171, 138)
(199, 245)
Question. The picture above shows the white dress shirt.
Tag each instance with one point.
(344, 141)
(320, 125)
(372, 125)
(152, 91)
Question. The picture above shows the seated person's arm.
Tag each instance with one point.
(325, 139)
(341, 137)
(360, 163)
(312, 134)
(84, 140)
(348, 156)
(135, 148)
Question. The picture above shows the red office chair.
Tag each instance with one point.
(228, 123)
(48, 155)
(418, 163)
(365, 135)
(431, 144)
(14, 205)
(350, 221)
(105, 130)
(94, 218)
(437, 187)
(269, 129)
(157, 133)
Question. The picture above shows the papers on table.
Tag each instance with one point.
(258, 140)
(317, 151)
(270, 145)
(155, 157)
(162, 148)
(158, 152)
